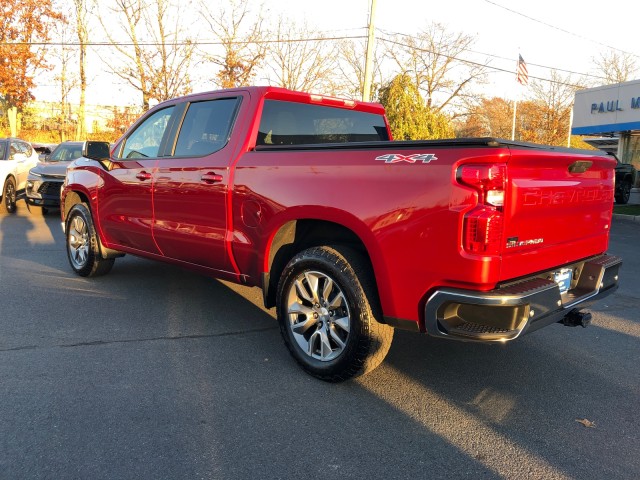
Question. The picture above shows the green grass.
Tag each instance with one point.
(627, 209)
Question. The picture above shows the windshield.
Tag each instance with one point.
(65, 153)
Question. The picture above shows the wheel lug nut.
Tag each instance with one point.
(315, 315)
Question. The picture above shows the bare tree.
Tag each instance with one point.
(350, 65)
(301, 59)
(616, 66)
(241, 39)
(433, 60)
(174, 52)
(545, 118)
(157, 64)
(65, 78)
(83, 38)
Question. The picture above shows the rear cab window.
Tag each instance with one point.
(206, 127)
(293, 123)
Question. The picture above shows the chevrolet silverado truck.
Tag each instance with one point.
(349, 234)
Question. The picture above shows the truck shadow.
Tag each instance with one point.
(477, 404)
(232, 397)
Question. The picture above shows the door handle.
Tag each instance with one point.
(211, 178)
(143, 175)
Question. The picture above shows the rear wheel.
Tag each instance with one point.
(624, 193)
(328, 314)
(83, 250)
(9, 196)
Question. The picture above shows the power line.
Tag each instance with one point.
(300, 40)
(479, 64)
(180, 43)
(560, 29)
(318, 39)
(499, 57)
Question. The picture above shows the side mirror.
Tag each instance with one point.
(96, 150)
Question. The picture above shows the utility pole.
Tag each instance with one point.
(368, 66)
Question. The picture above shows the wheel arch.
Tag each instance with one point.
(4, 180)
(295, 235)
(7, 177)
(74, 197)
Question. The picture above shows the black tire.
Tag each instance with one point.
(624, 193)
(346, 315)
(83, 250)
(9, 196)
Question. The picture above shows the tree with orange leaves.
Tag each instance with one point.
(24, 27)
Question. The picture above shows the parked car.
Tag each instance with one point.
(626, 175)
(17, 157)
(45, 179)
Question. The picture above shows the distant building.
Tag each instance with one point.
(48, 115)
(610, 111)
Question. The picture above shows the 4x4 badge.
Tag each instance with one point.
(416, 157)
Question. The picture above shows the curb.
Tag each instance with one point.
(628, 218)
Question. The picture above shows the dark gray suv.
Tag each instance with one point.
(46, 178)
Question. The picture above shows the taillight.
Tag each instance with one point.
(483, 225)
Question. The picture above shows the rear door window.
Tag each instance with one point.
(291, 123)
(206, 127)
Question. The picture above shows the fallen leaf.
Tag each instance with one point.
(586, 423)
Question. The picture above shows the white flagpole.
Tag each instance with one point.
(515, 99)
(570, 126)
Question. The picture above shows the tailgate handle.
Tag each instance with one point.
(580, 166)
(210, 178)
(143, 175)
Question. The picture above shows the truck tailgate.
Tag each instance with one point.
(558, 209)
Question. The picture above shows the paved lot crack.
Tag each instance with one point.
(137, 340)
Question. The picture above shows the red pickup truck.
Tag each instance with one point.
(349, 234)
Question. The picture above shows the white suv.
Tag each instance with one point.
(17, 157)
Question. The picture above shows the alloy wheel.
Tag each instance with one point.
(319, 317)
(78, 241)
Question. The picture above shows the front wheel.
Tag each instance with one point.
(9, 196)
(328, 314)
(83, 250)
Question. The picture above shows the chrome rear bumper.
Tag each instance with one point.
(519, 307)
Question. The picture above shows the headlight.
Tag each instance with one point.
(35, 174)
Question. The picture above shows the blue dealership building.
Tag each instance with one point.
(611, 112)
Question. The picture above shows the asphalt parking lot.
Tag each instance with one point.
(155, 372)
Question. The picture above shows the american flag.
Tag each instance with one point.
(522, 74)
